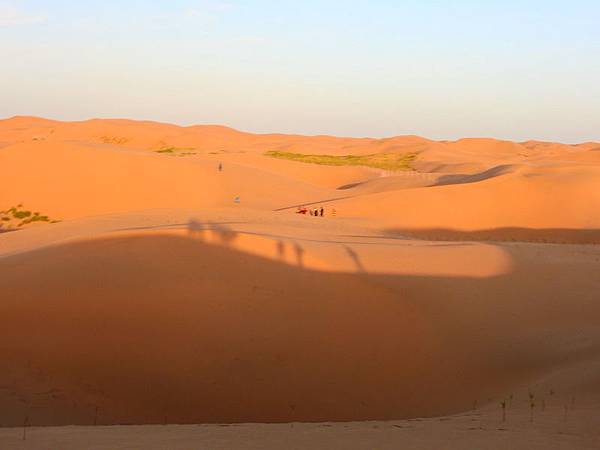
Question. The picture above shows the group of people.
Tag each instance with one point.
(316, 212)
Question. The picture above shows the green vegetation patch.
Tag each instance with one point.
(176, 151)
(18, 217)
(386, 161)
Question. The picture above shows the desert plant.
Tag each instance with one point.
(531, 406)
(17, 213)
(21, 214)
(25, 424)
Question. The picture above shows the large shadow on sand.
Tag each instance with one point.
(173, 328)
(493, 172)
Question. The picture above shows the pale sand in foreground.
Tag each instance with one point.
(553, 428)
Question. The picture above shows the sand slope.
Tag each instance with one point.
(189, 325)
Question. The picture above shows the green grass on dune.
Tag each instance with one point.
(19, 217)
(176, 151)
(386, 161)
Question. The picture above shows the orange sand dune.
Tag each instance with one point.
(67, 180)
(74, 169)
(564, 196)
(159, 298)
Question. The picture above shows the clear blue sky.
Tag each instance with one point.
(442, 69)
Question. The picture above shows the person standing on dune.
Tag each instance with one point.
(322, 211)
(220, 167)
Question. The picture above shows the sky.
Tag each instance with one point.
(443, 69)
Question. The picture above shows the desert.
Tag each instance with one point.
(158, 280)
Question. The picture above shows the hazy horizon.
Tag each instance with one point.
(505, 70)
(275, 132)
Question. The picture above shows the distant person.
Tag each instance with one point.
(321, 211)
(220, 167)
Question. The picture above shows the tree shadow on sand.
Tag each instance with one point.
(280, 247)
(299, 251)
(355, 259)
(201, 230)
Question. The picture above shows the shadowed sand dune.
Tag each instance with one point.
(474, 178)
(167, 327)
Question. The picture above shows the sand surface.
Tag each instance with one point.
(481, 429)
(157, 298)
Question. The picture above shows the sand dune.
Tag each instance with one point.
(157, 297)
(67, 180)
(102, 166)
(179, 324)
(560, 197)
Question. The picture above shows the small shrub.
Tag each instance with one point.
(531, 405)
(21, 214)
